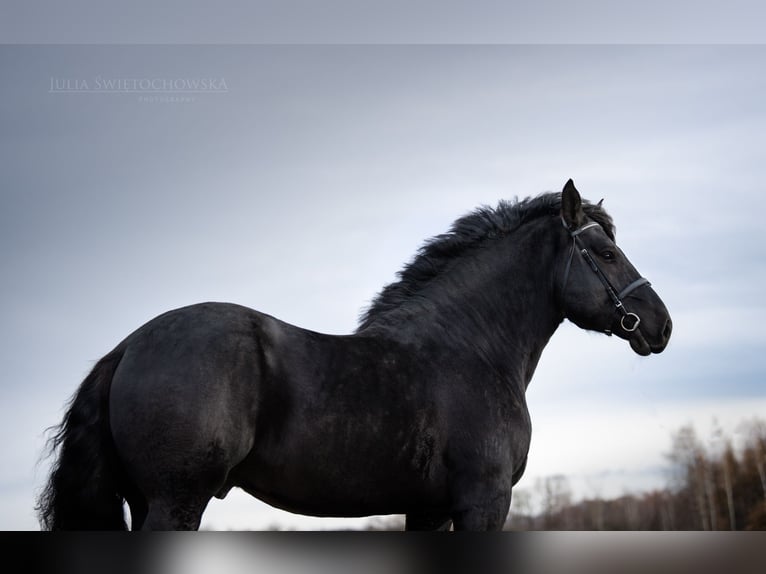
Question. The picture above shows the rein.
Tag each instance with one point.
(632, 319)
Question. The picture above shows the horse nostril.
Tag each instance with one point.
(667, 330)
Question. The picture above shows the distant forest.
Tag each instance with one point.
(713, 487)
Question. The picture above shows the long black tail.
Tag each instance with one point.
(82, 492)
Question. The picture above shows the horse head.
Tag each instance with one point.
(600, 288)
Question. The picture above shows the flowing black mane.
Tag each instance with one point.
(468, 232)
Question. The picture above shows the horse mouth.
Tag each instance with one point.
(641, 346)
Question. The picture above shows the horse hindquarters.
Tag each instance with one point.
(182, 417)
(176, 462)
(83, 491)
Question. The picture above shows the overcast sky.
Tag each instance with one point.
(309, 175)
(392, 21)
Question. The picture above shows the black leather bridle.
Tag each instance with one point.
(632, 319)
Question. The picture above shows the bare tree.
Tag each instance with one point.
(556, 498)
(687, 455)
(758, 437)
(729, 461)
(522, 511)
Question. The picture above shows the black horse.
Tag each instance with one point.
(421, 411)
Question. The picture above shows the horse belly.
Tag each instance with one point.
(344, 481)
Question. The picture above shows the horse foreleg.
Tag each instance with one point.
(481, 505)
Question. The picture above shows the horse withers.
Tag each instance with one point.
(421, 411)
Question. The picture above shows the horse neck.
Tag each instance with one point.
(496, 304)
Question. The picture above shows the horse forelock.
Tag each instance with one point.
(466, 233)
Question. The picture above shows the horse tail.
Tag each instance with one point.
(83, 491)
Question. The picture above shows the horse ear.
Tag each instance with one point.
(571, 206)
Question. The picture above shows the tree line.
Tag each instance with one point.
(711, 486)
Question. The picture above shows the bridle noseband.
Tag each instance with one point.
(633, 320)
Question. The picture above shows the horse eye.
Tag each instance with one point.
(608, 255)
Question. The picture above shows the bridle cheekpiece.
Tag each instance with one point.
(629, 321)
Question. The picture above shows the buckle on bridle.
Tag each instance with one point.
(632, 327)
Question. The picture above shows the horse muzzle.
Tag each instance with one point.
(643, 343)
